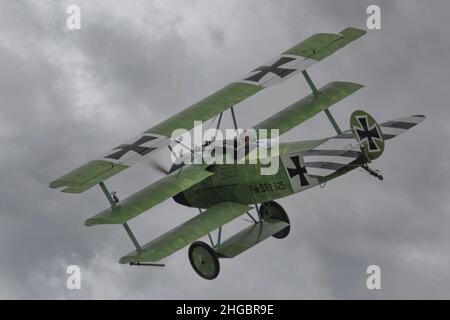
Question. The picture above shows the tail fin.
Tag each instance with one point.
(368, 133)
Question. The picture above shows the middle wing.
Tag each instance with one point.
(309, 106)
(152, 195)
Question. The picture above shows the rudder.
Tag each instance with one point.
(368, 133)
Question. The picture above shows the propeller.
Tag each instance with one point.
(160, 162)
(157, 166)
(161, 165)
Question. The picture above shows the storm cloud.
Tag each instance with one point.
(69, 95)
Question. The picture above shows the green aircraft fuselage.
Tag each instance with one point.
(244, 183)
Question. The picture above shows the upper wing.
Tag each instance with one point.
(187, 232)
(289, 63)
(152, 195)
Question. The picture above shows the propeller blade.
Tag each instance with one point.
(157, 166)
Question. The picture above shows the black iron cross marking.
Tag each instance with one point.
(368, 133)
(299, 170)
(135, 146)
(275, 68)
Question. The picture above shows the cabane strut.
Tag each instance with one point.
(316, 93)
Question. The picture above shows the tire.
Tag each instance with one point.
(204, 260)
(272, 210)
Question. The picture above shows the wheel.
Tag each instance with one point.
(273, 210)
(204, 260)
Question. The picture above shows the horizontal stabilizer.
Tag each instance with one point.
(249, 237)
(393, 128)
(152, 195)
(343, 149)
(309, 106)
(186, 233)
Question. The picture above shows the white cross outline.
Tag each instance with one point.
(365, 139)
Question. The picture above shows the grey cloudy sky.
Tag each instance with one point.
(67, 96)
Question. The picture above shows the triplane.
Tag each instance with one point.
(224, 192)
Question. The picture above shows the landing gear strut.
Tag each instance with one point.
(273, 221)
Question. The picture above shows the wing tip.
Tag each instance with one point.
(355, 32)
(346, 85)
(349, 83)
(89, 223)
(102, 220)
(132, 257)
(59, 183)
(419, 118)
